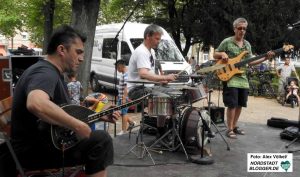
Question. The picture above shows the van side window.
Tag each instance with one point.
(125, 51)
(136, 42)
(109, 48)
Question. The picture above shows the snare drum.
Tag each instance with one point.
(160, 104)
(194, 95)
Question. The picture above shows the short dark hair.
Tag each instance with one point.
(121, 62)
(64, 35)
(71, 74)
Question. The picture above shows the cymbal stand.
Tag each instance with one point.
(212, 122)
(141, 145)
(174, 133)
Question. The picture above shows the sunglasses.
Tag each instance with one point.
(241, 28)
(152, 61)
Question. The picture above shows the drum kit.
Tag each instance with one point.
(187, 126)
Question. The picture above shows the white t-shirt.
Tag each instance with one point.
(140, 58)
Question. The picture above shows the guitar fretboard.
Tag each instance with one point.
(94, 117)
(244, 62)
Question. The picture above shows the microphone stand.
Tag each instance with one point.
(116, 59)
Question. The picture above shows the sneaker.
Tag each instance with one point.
(121, 132)
(131, 125)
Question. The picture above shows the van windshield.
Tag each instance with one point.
(168, 51)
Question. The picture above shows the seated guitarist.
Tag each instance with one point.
(38, 94)
(235, 90)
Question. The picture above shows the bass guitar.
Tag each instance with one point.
(63, 138)
(226, 70)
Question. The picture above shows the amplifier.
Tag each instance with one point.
(216, 114)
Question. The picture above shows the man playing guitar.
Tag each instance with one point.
(235, 90)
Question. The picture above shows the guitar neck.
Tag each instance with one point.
(95, 117)
(244, 62)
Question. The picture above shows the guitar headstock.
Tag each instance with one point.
(287, 48)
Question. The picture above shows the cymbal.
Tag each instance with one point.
(142, 81)
(211, 68)
(192, 76)
(183, 87)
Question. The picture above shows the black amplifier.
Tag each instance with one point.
(216, 114)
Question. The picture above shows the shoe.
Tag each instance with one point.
(121, 132)
(239, 131)
(231, 134)
(131, 125)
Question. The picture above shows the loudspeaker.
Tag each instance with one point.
(216, 114)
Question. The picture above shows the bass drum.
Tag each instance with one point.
(191, 127)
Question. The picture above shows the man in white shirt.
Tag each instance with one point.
(142, 66)
(141, 63)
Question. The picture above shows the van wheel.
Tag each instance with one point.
(95, 86)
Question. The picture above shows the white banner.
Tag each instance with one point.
(270, 162)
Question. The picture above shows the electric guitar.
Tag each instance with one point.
(226, 70)
(63, 138)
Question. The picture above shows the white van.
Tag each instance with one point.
(106, 51)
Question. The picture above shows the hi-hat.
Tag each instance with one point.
(211, 68)
(183, 87)
(191, 76)
(142, 81)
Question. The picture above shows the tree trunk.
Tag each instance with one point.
(49, 8)
(84, 19)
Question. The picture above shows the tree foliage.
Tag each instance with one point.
(210, 21)
(10, 15)
(35, 19)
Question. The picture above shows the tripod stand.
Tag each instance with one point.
(141, 145)
(175, 134)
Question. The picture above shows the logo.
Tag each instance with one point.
(285, 165)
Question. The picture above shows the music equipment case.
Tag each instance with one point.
(11, 68)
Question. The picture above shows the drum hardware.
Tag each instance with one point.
(141, 145)
(207, 160)
(171, 146)
(212, 122)
(142, 81)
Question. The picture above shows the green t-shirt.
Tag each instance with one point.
(232, 50)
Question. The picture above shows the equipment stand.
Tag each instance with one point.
(212, 122)
(175, 133)
(203, 160)
(298, 135)
(141, 145)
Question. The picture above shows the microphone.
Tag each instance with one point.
(294, 25)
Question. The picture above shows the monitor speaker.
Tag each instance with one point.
(216, 114)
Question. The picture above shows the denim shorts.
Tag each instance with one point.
(124, 111)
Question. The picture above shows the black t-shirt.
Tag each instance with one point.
(40, 76)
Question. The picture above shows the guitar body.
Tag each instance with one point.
(229, 70)
(64, 137)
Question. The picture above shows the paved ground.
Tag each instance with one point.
(233, 163)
